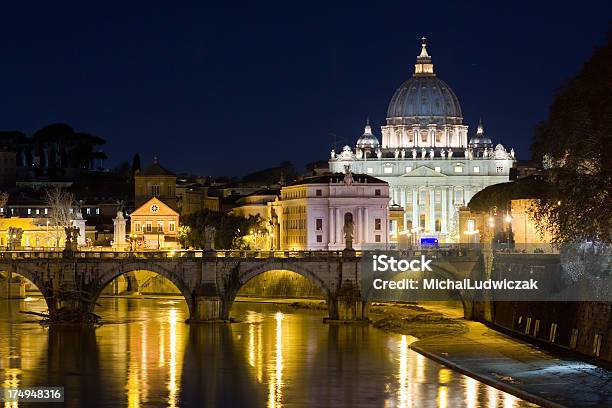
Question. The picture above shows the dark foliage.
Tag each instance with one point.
(576, 143)
(229, 229)
(499, 195)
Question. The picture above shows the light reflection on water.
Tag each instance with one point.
(275, 357)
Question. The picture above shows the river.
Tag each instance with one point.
(275, 356)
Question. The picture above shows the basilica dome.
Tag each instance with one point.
(424, 99)
(368, 140)
(480, 140)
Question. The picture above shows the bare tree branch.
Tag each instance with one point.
(62, 206)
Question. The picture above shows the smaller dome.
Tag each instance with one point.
(368, 140)
(480, 140)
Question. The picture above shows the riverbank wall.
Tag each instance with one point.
(582, 327)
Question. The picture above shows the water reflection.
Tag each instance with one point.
(275, 357)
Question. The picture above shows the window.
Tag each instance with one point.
(437, 169)
(553, 332)
(597, 344)
(97, 211)
(408, 169)
(476, 169)
(137, 227)
(499, 169)
(377, 192)
(392, 227)
(388, 170)
(377, 238)
(319, 192)
(171, 226)
(37, 211)
(88, 211)
(29, 211)
(155, 190)
(471, 225)
(160, 226)
(528, 325)
(319, 238)
(319, 224)
(458, 169)
(574, 338)
(377, 224)
(46, 211)
(149, 226)
(536, 328)
(370, 170)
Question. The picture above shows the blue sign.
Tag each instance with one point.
(426, 241)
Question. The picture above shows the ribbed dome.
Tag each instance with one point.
(480, 139)
(368, 140)
(424, 99)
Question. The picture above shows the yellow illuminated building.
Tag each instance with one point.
(155, 181)
(154, 225)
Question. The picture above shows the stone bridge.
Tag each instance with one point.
(209, 281)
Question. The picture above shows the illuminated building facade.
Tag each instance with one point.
(312, 212)
(425, 156)
(154, 225)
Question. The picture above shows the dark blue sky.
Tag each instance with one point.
(214, 89)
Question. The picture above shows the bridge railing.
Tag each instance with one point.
(238, 254)
(244, 254)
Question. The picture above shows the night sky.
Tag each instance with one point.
(223, 91)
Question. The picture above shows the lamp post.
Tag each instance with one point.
(508, 220)
(471, 231)
(414, 232)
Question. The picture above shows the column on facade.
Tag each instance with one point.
(331, 226)
(403, 204)
(357, 225)
(415, 208)
(366, 231)
(467, 194)
(432, 210)
(363, 233)
(451, 203)
(339, 224)
(443, 205)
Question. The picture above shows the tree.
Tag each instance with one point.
(575, 142)
(61, 205)
(135, 163)
(230, 230)
(4, 196)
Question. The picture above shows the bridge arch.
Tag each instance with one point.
(294, 267)
(34, 277)
(171, 275)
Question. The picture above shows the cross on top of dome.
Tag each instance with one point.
(424, 48)
(423, 67)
